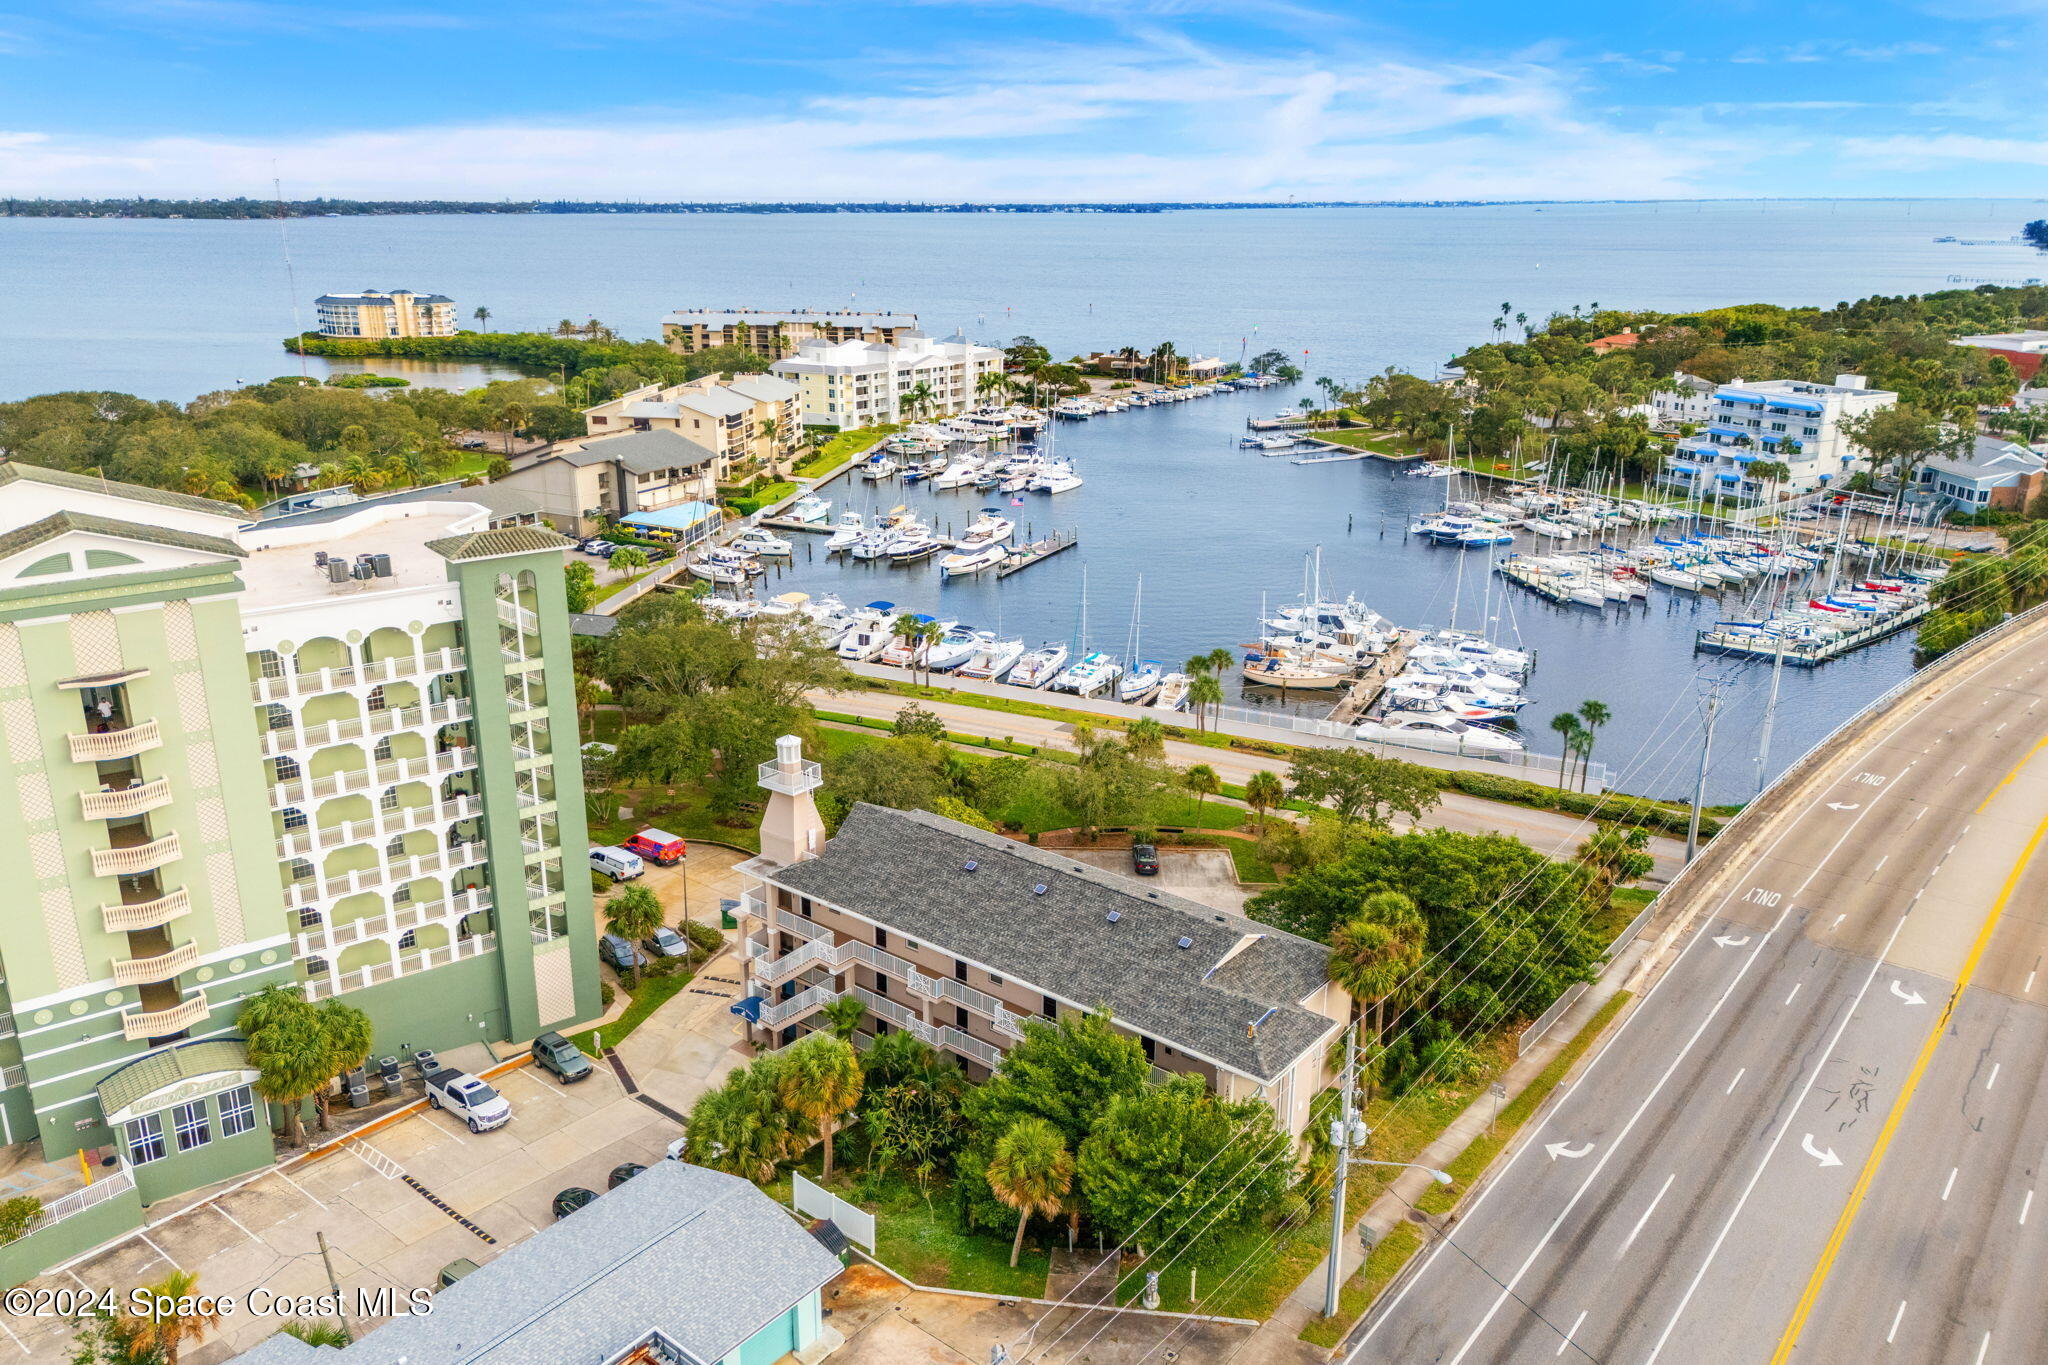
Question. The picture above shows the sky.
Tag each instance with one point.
(1030, 100)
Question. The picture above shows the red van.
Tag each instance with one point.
(658, 846)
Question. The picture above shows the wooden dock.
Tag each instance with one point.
(1277, 423)
(1024, 556)
(1374, 681)
(823, 528)
(1336, 459)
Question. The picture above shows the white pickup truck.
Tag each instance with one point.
(469, 1099)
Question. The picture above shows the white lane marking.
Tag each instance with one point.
(1825, 1158)
(232, 1219)
(1880, 864)
(1950, 1183)
(1738, 1076)
(1637, 1229)
(1795, 990)
(1958, 772)
(1730, 941)
(1922, 811)
(1910, 997)
(2001, 727)
(1993, 1078)
(2026, 1204)
(158, 1250)
(1574, 1332)
(1895, 1323)
(1838, 921)
(1567, 1151)
(302, 1189)
(15, 1339)
(1982, 1347)
(2029, 987)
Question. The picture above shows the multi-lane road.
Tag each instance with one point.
(1820, 1137)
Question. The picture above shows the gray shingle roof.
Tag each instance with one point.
(166, 1066)
(86, 483)
(906, 870)
(706, 1259)
(506, 540)
(58, 523)
(641, 452)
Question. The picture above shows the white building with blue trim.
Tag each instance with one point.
(1796, 421)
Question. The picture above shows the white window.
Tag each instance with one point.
(190, 1120)
(237, 1112)
(294, 818)
(145, 1139)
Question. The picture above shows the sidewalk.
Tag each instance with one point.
(1279, 1339)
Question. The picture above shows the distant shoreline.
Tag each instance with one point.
(236, 210)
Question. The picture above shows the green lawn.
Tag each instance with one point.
(1378, 441)
(653, 993)
(607, 591)
(918, 1237)
(681, 810)
(467, 464)
(1627, 904)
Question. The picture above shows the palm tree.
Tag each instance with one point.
(483, 315)
(318, 1333)
(1204, 691)
(1145, 738)
(349, 1040)
(740, 1128)
(1220, 660)
(770, 428)
(1263, 790)
(991, 383)
(843, 1017)
(919, 398)
(821, 1080)
(1376, 953)
(1594, 714)
(514, 416)
(1566, 724)
(1204, 783)
(1030, 1171)
(630, 558)
(1615, 856)
(1522, 321)
(178, 1315)
(291, 1057)
(633, 914)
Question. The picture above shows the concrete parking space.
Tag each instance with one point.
(1207, 875)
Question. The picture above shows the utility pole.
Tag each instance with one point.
(1763, 745)
(1699, 785)
(1347, 1130)
(340, 1316)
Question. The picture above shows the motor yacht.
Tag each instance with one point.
(867, 634)
(810, 509)
(989, 524)
(1088, 675)
(952, 649)
(849, 529)
(879, 467)
(1173, 692)
(1057, 477)
(900, 651)
(978, 556)
(1437, 732)
(755, 541)
(1040, 666)
(991, 659)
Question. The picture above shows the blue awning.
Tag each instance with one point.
(1795, 404)
(684, 516)
(1684, 468)
(1770, 438)
(1727, 431)
(1734, 396)
(1743, 457)
(1730, 478)
(749, 1009)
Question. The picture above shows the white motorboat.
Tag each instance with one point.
(872, 543)
(991, 657)
(957, 474)
(989, 524)
(755, 541)
(1140, 682)
(909, 547)
(1057, 477)
(722, 565)
(867, 634)
(850, 528)
(952, 649)
(1040, 666)
(984, 555)
(879, 467)
(1439, 732)
(810, 509)
(901, 651)
(1173, 692)
(1015, 483)
(1093, 672)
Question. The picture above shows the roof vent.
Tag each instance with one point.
(969, 865)
(1038, 890)
(1185, 942)
(1115, 915)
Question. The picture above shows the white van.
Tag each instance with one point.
(616, 863)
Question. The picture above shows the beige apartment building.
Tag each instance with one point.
(777, 333)
(861, 383)
(961, 936)
(730, 418)
(399, 313)
(579, 486)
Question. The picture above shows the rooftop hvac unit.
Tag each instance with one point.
(337, 571)
(381, 565)
(358, 1089)
(394, 1080)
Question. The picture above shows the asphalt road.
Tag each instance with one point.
(1805, 1143)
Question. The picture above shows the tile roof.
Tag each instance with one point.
(703, 1258)
(86, 483)
(906, 870)
(59, 523)
(167, 1066)
(506, 540)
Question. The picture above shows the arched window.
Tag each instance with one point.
(277, 717)
(294, 818)
(383, 751)
(402, 896)
(270, 663)
(395, 849)
(316, 966)
(375, 701)
(300, 870)
(389, 800)
(310, 918)
(287, 768)
(408, 939)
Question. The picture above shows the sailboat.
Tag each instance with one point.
(1141, 679)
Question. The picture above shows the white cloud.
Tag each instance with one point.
(1919, 152)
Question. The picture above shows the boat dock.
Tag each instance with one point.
(823, 528)
(1277, 423)
(1024, 556)
(1336, 459)
(1373, 681)
(1741, 644)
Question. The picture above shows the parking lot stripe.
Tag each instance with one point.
(158, 1250)
(301, 1189)
(232, 1219)
(15, 1339)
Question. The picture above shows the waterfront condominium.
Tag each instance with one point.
(961, 937)
(861, 383)
(1794, 421)
(399, 313)
(777, 332)
(335, 750)
(754, 418)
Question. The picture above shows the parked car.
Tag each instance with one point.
(471, 443)
(469, 1099)
(657, 846)
(620, 952)
(603, 549)
(666, 942)
(616, 863)
(557, 1054)
(454, 1271)
(572, 1199)
(622, 1173)
(1145, 860)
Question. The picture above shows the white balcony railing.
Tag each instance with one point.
(126, 862)
(424, 959)
(804, 1003)
(143, 971)
(837, 957)
(124, 919)
(301, 791)
(105, 745)
(368, 675)
(315, 892)
(137, 1024)
(290, 738)
(379, 827)
(127, 801)
(324, 938)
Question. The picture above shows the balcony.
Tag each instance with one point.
(140, 1024)
(102, 746)
(322, 987)
(391, 923)
(144, 971)
(837, 957)
(313, 890)
(379, 827)
(287, 738)
(805, 1003)
(302, 790)
(369, 675)
(135, 858)
(133, 799)
(151, 914)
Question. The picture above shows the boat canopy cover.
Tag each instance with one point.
(880, 606)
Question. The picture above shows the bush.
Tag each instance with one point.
(18, 1217)
(606, 993)
(599, 883)
(703, 937)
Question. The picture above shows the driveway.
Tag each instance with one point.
(1207, 875)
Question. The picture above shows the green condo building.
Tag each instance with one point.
(336, 749)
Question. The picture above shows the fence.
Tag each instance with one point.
(857, 1223)
(1532, 767)
(1526, 1039)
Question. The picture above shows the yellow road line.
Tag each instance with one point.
(1899, 1106)
(2004, 781)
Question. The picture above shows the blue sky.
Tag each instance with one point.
(1023, 99)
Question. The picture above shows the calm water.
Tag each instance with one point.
(173, 309)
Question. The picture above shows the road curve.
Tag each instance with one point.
(1819, 1136)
